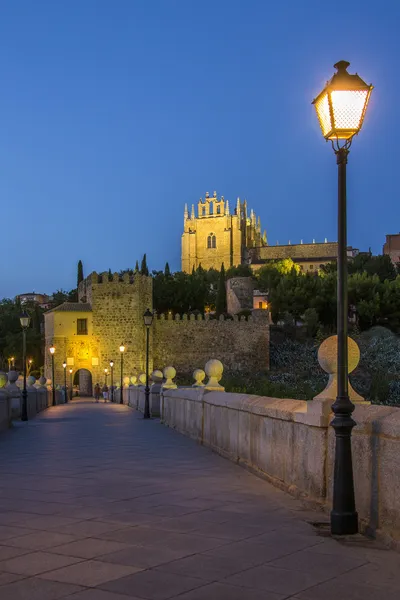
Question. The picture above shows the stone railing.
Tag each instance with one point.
(291, 444)
(39, 397)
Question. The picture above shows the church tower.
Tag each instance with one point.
(216, 235)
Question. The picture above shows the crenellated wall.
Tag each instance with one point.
(187, 341)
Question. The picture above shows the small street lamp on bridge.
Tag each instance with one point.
(53, 385)
(65, 380)
(25, 321)
(112, 381)
(70, 384)
(148, 320)
(122, 350)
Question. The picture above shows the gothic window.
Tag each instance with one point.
(218, 210)
(211, 208)
(203, 211)
(211, 241)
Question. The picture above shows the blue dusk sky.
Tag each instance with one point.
(114, 113)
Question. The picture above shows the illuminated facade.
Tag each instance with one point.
(216, 235)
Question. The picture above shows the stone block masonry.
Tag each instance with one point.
(186, 343)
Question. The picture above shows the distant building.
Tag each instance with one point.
(309, 257)
(392, 247)
(32, 297)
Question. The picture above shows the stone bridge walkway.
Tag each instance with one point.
(97, 504)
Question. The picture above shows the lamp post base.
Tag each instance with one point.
(344, 523)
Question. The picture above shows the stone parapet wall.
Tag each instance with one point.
(328, 250)
(187, 342)
(285, 441)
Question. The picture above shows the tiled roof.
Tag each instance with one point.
(73, 307)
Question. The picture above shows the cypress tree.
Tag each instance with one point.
(220, 304)
(110, 276)
(80, 272)
(167, 271)
(137, 267)
(143, 269)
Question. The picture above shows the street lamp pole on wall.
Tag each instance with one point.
(71, 384)
(148, 320)
(65, 381)
(105, 376)
(341, 109)
(122, 350)
(24, 320)
(53, 385)
(112, 382)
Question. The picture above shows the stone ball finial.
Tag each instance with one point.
(42, 380)
(126, 381)
(198, 376)
(142, 378)
(133, 380)
(214, 369)
(327, 358)
(169, 374)
(327, 354)
(12, 376)
(3, 379)
(31, 380)
(157, 376)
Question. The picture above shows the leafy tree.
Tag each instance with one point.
(311, 321)
(143, 268)
(220, 304)
(80, 273)
(239, 271)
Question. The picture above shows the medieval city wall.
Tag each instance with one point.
(188, 343)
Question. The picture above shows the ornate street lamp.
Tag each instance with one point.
(148, 320)
(105, 376)
(341, 110)
(53, 385)
(65, 381)
(112, 380)
(71, 384)
(25, 321)
(122, 350)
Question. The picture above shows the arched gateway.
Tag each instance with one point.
(83, 379)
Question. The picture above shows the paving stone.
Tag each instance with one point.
(89, 548)
(9, 578)
(89, 573)
(333, 589)
(36, 562)
(41, 539)
(144, 556)
(37, 589)
(321, 564)
(153, 585)
(7, 552)
(222, 591)
(209, 568)
(96, 594)
(280, 581)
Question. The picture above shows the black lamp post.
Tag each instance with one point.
(65, 381)
(24, 320)
(71, 384)
(112, 380)
(148, 320)
(105, 376)
(122, 350)
(341, 109)
(53, 385)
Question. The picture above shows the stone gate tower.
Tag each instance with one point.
(217, 236)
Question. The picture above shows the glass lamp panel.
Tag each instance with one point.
(24, 320)
(323, 114)
(122, 348)
(52, 350)
(348, 110)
